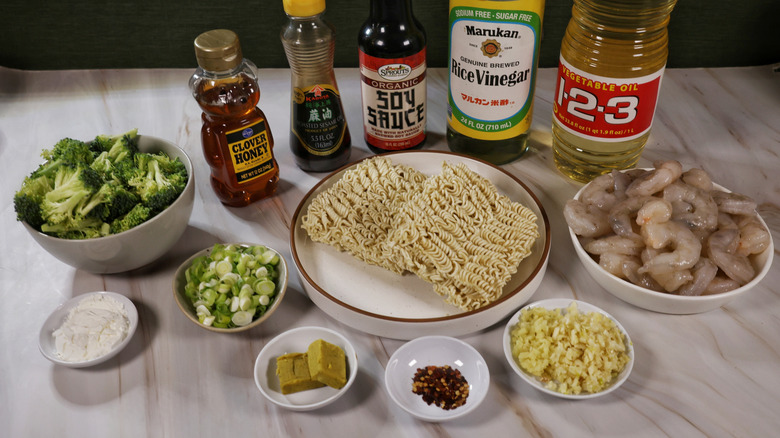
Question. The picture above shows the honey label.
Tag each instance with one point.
(250, 151)
(602, 108)
(317, 119)
(492, 61)
(394, 100)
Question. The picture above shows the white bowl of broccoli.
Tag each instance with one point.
(109, 205)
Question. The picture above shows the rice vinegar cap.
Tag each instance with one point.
(218, 50)
(303, 8)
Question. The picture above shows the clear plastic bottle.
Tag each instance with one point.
(319, 135)
(612, 60)
(236, 137)
(494, 54)
(392, 51)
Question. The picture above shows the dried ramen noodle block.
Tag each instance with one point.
(453, 230)
(462, 236)
(355, 214)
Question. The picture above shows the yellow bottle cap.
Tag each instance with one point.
(218, 50)
(303, 8)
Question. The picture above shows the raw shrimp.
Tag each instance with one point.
(686, 248)
(719, 285)
(670, 281)
(734, 203)
(703, 273)
(615, 244)
(601, 192)
(620, 216)
(626, 266)
(614, 263)
(753, 237)
(721, 249)
(630, 271)
(705, 211)
(622, 181)
(648, 253)
(585, 220)
(698, 178)
(654, 211)
(665, 173)
(726, 221)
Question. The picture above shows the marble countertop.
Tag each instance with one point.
(713, 374)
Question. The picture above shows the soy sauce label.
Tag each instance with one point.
(250, 151)
(602, 108)
(318, 120)
(394, 100)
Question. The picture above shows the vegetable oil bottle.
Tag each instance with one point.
(237, 141)
(494, 54)
(319, 136)
(612, 59)
(391, 47)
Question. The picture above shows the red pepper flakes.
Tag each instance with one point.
(444, 386)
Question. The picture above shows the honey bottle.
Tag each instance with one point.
(236, 137)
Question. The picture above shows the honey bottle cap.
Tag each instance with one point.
(218, 50)
(303, 8)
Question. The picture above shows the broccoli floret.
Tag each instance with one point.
(67, 152)
(118, 147)
(108, 203)
(27, 201)
(170, 166)
(156, 187)
(138, 215)
(72, 185)
(87, 228)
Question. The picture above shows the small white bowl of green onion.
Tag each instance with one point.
(231, 287)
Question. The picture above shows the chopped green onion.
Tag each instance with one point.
(233, 285)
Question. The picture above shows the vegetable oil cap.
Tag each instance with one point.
(218, 50)
(303, 8)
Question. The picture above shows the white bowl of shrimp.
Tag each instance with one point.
(669, 240)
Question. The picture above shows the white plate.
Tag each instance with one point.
(437, 351)
(46, 341)
(583, 307)
(380, 302)
(297, 340)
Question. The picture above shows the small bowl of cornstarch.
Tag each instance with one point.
(568, 348)
(88, 329)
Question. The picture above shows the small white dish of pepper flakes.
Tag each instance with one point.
(437, 378)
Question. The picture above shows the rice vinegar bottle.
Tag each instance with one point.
(236, 138)
(494, 55)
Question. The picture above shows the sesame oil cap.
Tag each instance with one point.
(218, 50)
(303, 8)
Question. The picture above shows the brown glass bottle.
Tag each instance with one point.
(319, 135)
(237, 141)
(392, 53)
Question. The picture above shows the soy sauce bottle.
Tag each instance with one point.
(236, 137)
(392, 52)
(319, 136)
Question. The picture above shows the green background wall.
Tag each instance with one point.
(41, 35)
